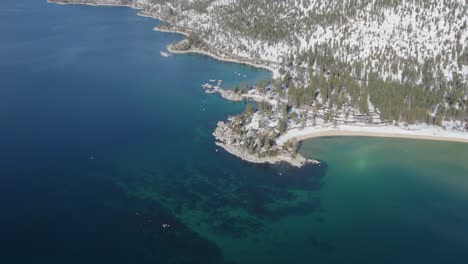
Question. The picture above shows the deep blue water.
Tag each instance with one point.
(102, 141)
(91, 113)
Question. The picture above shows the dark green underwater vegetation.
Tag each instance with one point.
(107, 156)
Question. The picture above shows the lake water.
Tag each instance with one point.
(103, 141)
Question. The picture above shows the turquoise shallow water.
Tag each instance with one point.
(103, 141)
(394, 200)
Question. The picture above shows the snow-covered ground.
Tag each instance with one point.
(382, 38)
(411, 30)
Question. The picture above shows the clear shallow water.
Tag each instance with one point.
(103, 141)
(394, 200)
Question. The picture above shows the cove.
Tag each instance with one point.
(103, 141)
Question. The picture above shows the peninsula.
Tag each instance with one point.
(348, 68)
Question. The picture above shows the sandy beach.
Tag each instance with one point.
(424, 132)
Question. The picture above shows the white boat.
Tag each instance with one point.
(164, 54)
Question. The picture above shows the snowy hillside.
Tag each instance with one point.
(390, 37)
(386, 66)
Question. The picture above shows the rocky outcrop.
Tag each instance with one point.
(248, 146)
(233, 143)
(231, 95)
(226, 94)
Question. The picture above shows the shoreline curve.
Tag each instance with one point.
(389, 131)
(212, 55)
(312, 132)
(184, 33)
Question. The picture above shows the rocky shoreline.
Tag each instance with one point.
(230, 142)
(226, 94)
(128, 3)
(271, 134)
(223, 134)
(213, 53)
(236, 143)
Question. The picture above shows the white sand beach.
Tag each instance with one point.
(426, 132)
